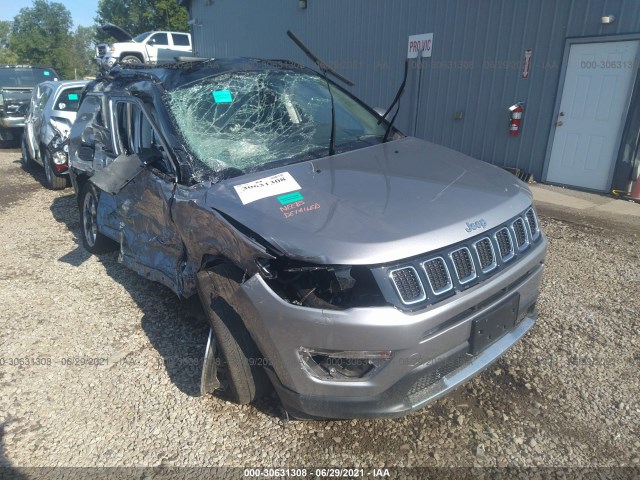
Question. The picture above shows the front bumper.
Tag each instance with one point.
(419, 388)
(107, 61)
(430, 347)
(12, 122)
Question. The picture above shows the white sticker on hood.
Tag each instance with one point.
(266, 187)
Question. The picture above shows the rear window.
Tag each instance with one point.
(26, 77)
(68, 99)
(180, 39)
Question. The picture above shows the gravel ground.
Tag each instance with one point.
(113, 365)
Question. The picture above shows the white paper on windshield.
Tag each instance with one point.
(266, 187)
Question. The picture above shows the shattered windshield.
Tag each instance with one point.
(247, 120)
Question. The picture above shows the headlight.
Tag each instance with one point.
(321, 286)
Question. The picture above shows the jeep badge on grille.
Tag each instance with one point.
(478, 224)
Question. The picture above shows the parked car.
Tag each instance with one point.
(148, 47)
(359, 277)
(52, 111)
(16, 85)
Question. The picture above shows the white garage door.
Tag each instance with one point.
(595, 97)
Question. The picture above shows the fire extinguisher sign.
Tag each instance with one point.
(526, 63)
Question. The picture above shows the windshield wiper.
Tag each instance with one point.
(393, 104)
(325, 69)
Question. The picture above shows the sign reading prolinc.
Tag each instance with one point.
(420, 44)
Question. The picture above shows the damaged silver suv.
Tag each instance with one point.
(359, 272)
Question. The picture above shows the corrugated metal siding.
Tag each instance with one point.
(475, 68)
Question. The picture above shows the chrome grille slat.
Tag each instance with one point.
(486, 254)
(463, 265)
(532, 223)
(408, 285)
(520, 234)
(437, 275)
(505, 244)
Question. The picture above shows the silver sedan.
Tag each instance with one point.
(52, 111)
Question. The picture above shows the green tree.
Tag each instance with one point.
(7, 56)
(138, 16)
(83, 60)
(41, 35)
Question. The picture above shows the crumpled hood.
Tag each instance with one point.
(375, 205)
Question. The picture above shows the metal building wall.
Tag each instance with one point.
(475, 69)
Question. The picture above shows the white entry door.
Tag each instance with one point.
(594, 102)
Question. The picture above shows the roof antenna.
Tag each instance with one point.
(326, 70)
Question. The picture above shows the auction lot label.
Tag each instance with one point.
(266, 187)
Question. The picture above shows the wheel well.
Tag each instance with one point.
(81, 180)
(209, 261)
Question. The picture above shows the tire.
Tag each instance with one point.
(130, 59)
(26, 160)
(92, 240)
(54, 182)
(231, 354)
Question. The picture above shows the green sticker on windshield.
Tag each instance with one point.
(72, 96)
(222, 96)
(46, 74)
(288, 198)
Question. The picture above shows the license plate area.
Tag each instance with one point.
(494, 324)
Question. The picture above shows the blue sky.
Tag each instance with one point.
(82, 11)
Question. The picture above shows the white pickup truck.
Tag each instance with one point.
(148, 47)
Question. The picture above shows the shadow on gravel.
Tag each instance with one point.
(65, 210)
(7, 471)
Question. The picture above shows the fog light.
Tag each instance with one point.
(343, 365)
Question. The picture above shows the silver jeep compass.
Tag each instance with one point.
(358, 271)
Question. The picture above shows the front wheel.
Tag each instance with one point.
(233, 365)
(131, 59)
(54, 182)
(92, 239)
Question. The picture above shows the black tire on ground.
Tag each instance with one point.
(53, 181)
(238, 362)
(130, 59)
(92, 240)
(26, 160)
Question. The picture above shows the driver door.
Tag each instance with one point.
(149, 240)
(158, 48)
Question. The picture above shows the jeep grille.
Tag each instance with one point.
(432, 277)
